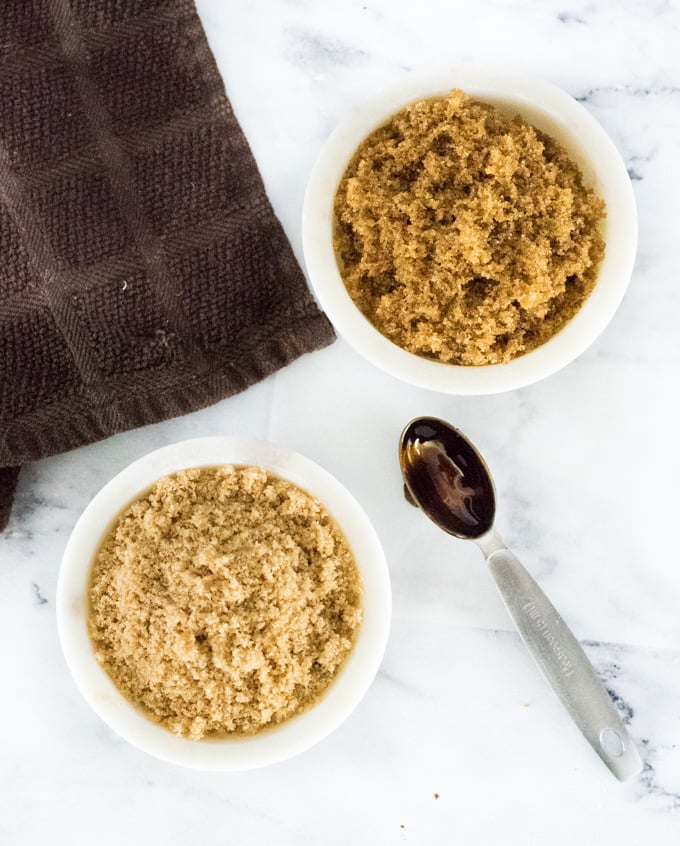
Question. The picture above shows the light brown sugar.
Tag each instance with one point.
(224, 601)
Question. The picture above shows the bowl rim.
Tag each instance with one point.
(586, 141)
(274, 744)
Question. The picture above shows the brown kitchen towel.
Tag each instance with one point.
(143, 273)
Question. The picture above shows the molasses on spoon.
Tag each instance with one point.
(447, 478)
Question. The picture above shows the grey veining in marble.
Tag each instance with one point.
(586, 465)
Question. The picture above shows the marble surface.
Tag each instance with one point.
(585, 464)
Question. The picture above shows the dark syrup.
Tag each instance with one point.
(447, 478)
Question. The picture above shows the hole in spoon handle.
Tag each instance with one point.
(612, 743)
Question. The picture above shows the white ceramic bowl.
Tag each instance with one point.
(549, 109)
(275, 744)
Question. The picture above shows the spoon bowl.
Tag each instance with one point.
(447, 478)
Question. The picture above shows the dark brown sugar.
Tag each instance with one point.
(464, 235)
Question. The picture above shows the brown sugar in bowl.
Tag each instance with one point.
(465, 236)
(552, 112)
(236, 751)
(224, 601)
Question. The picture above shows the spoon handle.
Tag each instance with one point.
(563, 662)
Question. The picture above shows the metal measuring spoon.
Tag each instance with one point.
(447, 478)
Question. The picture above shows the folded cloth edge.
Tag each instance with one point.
(225, 378)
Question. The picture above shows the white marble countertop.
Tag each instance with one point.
(586, 465)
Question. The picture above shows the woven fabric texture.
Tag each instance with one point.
(143, 273)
